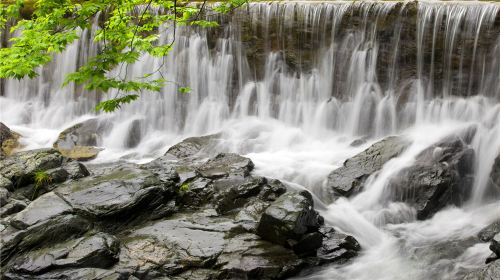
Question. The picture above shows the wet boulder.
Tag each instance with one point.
(193, 146)
(248, 257)
(441, 176)
(9, 141)
(226, 164)
(86, 273)
(172, 246)
(44, 208)
(336, 246)
(233, 193)
(288, 219)
(495, 247)
(350, 177)
(12, 206)
(79, 141)
(21, 167)
(99, 251)
(30, 174)
(123, 189)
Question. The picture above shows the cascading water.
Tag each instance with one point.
(291, 84)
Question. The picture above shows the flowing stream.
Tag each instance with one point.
(291, 84)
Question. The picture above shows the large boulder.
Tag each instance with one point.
(32, 173)
(9, 140)
(248, 257)
(193, 146)
(337, 246)
(175, 245)
(79, 141)
(123, 189)
(99, 251)
(441, 176)
(349, 179)
(226, 164)
(289, 219)
(128, 221)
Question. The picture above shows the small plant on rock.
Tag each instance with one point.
(42, 179)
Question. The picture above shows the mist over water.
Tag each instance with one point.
(313, 77)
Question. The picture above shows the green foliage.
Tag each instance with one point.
(127, 30)
(42, 179)
(184, 188)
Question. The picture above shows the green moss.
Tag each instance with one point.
(42, 179)
(184, 188)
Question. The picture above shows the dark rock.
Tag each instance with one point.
(349, 178)
(249, 216)
(75, 170)
(337, 247)
(442, 175)
(45, 207)
(288, 219)
(73, 273)
(226, 164)
(12, 207)
(233, 193)
(246, 256)
(491, 258)
(172, 246)
(192, 146)
(196, 193)
(495, 245)
(308, 244)
(98, 251)
(489, 272)
(198, 274)
(164, 169)
(495, 173)
(9, 141)
(20, 169)
(52, 230)
(134, 136)
(121, 190)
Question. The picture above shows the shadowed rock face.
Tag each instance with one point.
(349, 179)
(18, 172)
(128, 221)
(495, 173)
(442, 175)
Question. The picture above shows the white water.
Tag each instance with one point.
(296, 124)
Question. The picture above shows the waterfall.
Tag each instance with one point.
(291, 84)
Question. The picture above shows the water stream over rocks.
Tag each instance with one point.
(388, 113)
